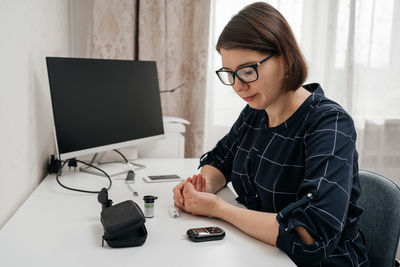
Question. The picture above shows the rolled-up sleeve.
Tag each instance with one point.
(324, 195)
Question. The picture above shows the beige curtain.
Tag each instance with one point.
(174, 33)
(113, 29)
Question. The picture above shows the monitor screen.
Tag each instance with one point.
(101, 104)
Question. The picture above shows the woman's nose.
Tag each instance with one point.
(239, 86)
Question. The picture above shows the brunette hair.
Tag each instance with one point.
(262, 28)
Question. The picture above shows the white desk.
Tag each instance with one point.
(58, 227)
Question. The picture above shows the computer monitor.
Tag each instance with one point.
(102, 104)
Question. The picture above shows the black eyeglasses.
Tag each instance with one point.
(246, 74)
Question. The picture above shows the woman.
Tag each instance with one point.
(290, 155)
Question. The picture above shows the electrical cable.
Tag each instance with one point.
(173, 89)
(139, 166)
(122, 155)
(77, 189)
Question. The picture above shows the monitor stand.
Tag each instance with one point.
(111, 168)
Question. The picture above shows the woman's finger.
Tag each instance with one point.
(178, 197)
(179, 205)
(194, 179)
(199, 182)
(203, 184)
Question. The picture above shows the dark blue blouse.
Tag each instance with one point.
(306, 171)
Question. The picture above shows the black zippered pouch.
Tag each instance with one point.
(123, 225)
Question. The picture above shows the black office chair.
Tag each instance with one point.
(380, 221)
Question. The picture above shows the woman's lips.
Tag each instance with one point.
(249, 98)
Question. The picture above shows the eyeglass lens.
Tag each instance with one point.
(246, 74)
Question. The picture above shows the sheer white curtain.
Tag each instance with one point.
(351, 47)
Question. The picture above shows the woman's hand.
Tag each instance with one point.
(199, 202)
(190, 196)
(178, 197)
(199, 183)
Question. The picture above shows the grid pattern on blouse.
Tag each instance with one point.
(305, 170)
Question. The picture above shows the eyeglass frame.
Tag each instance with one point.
(234, 73)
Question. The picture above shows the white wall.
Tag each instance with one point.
(29, 31)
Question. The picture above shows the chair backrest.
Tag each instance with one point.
(380, 221)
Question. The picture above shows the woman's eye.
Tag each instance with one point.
(247, 72)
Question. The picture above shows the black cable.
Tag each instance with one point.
(173, 89)
(81, 190)
(140, 166)
(122, 155)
